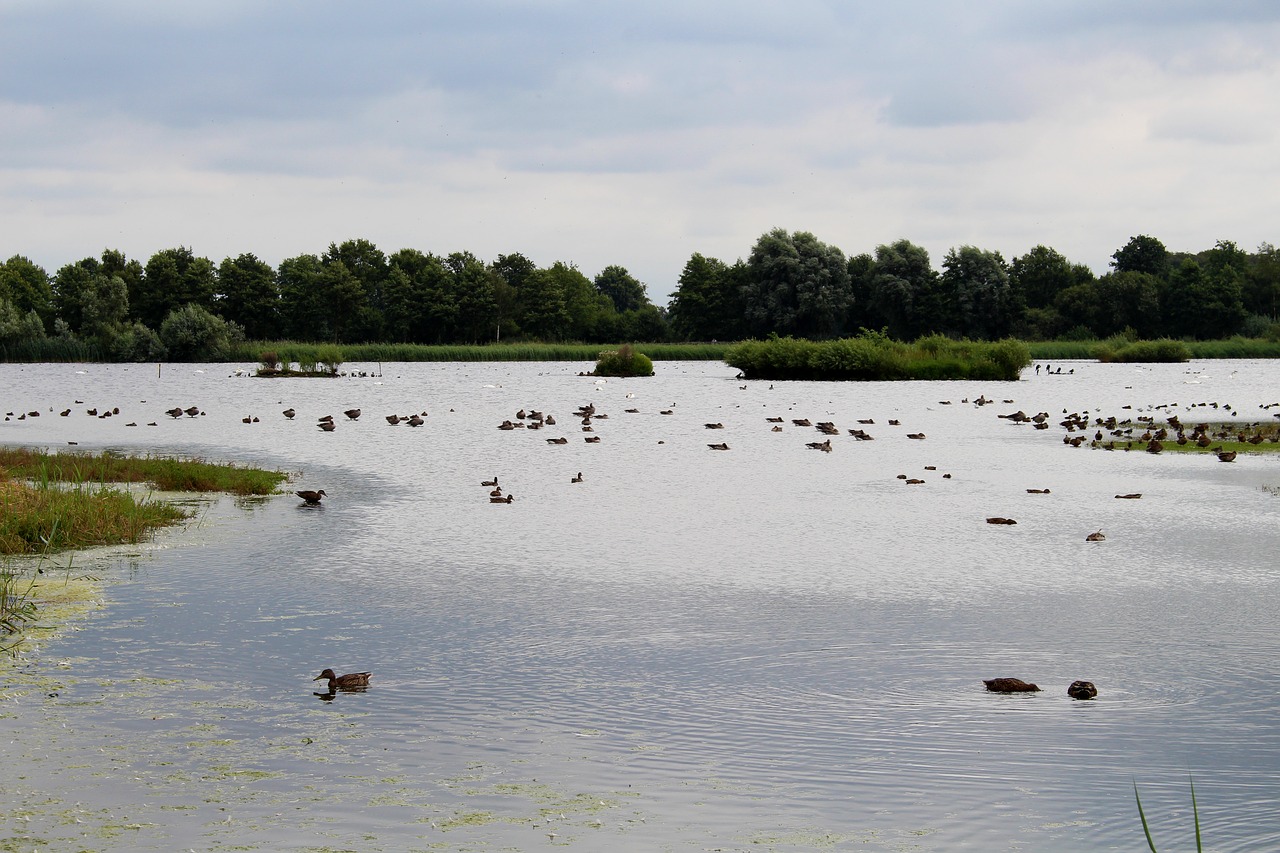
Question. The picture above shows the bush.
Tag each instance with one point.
(624, 361)
(191, 333)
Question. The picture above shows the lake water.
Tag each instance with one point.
(768, 648)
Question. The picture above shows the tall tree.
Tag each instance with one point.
(904, 290)
(976, 283)
(626, 293)
(368, 265)
(1142, 254)
(1203, 305)
(707, 305)
(248, 296)
(1262, 284)
(1127, 300)
(473, 289)
(172, 278)
(26, 286)
(302, 311)
(798, 285)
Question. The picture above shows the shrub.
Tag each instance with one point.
(624, 361)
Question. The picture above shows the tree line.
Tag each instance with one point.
(181, 306)
(794, 284)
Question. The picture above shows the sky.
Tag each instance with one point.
(600, 133)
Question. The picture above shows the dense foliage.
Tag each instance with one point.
(180, 306)
(624, 361)
(876, 356)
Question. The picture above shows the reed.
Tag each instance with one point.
(1146, 828)
(46, 518)
(874, 356)
(168, 474)
(303, 353)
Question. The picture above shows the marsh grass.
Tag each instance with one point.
(312, 354)
(167, 474)
(874, 356)
(47, 517)
(1146, 827)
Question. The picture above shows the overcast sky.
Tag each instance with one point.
(635, 133)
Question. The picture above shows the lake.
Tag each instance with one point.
(764, 648)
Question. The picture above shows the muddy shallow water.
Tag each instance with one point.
(768, 648)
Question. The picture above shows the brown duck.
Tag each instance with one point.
(310, 496)
(352, 681)
(1009, 685)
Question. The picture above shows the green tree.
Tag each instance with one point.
(191, 333)
(622, 288)
(172, 278)
(1142, 254)
(1042, 273)
(1127, 300)
(1197, 304)
(976, 284)
(543, 315)
(512, 271)
(247, 296)
(26, 286)
(590, 312)
(1078, 307)
(707, 304)
(1262, 283)
(798, 285)
(904, 291)
(473, 293)
(368, 265)
(17, 327)
(302, 311)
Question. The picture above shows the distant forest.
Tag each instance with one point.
(178, 306)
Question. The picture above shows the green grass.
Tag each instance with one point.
(306, 353)
(168, 474)
(50, 518)
(1112, 348)
(874, 356)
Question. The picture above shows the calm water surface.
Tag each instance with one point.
(768, 648)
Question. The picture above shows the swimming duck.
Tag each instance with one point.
(352, 413)
(577, 479)
(492, 482)
(1009, 685)
(1082, 690)
(393, 419)
(327, 426)
(1095, 537)
(351, 681)
(310, 496)
(288, 413)
(508, 499)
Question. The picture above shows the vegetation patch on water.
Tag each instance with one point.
(165, 473)
(875, 356)
(624, 361)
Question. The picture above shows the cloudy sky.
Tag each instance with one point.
(635, 133)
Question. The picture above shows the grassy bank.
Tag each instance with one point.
(63, 501)
(1123, 349)
(173, 475)
(873, 356)
(305, 353)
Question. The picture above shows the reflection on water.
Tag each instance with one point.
(767, 647)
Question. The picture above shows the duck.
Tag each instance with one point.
(508, 499)
(496, 493)
(1009, 685)
(576, 479)
(288, 413)
(996, 519)
(351, 681)
(824, 446)
(1095, 537)
(1082, 690)
(1227, 456)
(416, 421)
(560, 440)
(492, 482)
(393, 419)
(310, 496)
(327, 426)
(352, 413)
(721, 446)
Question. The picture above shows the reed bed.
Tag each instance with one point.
(305, 353)
(1123, 349)
(47, 518)
(873, 356)
(176, 475)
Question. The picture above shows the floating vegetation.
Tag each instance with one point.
(873, 356)
(624, 361)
